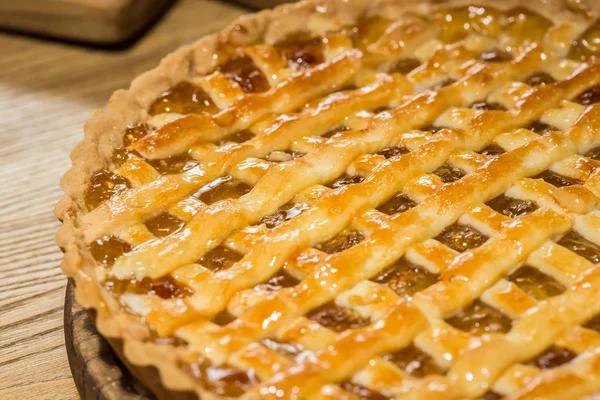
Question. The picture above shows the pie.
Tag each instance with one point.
(352, 200)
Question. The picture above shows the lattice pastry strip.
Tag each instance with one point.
(268, 181)
(183, 123)
(289, 132)
(403, 214)
(415, 156)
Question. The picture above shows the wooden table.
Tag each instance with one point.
(47, 91)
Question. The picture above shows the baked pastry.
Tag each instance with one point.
(352, 200)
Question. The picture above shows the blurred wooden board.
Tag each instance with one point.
(94, 21)
(96, 370)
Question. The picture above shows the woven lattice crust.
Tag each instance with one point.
(346, 276)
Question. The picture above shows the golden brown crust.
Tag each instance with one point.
(103, 134)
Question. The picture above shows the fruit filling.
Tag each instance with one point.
(406, 278)
(398, 203)
(479, 318)
(225, 187)
(414, 361)
(461, 237)
(337, 318)
(342, 241)
(103, 185)
(581, 246)
(244, 72)
(535, 283)
(220, 258)
(511, 207)
(448, 173)
(183, 98)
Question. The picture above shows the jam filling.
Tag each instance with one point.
(495, 55)
(521, 24)
(540, 128)
(165, 287)
(406, 278)
(280, 281)
(535, 283)
(120, 156)
(448, 173)
(557, 180)
(244, 72)
(164, 224)
(587, 46)
(173, 164)
(593, 324)
(404, 66)
(581, 246)
(539, 78)
(342, 241)
(345, 180)
(381, 109)
(398, 203)
(461, 237)
(553, 357)
(225, 187)
(594, 154)
(108, 249)
(485, 106)
(527, 25)
(103, 185)
(590, 96)
(223, 318)
(183, 98)
(479, 318)
(285, 213)
(334, 131)
(301, 51)
(511, 207)
(337, 318)
(361, 392)
(455, 23)
(490, 396)
(432, 128)
(134, 133)
(446, 82)
(220, 258)
(368, 30)
(237, 137)
(289, 350)
(390, 152)
(492, 150)
(223, 380)
(414, 361)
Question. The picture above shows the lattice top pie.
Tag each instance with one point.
(353, 200)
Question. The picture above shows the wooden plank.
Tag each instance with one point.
(96, 21)
(47, 92)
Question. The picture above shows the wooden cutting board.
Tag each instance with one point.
(97, 363)
(97, 371)
(102, 22)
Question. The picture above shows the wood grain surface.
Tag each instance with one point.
(47, 91)
(96, 21)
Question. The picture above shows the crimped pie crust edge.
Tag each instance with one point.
(103, 133)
